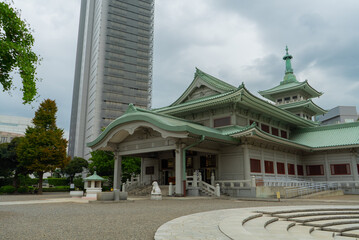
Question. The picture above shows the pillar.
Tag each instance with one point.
(117, 171)
(326, 167)
(354, 168)
(179, 169)
(246, 163)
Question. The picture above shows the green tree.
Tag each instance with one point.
(130, 166)
(102, 162)
(16, 42)
(76, 165)
(43, 149)
(9, 164)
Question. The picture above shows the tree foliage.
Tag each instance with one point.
(130, 166)
(9, 164)
(43, 149)
(76, 165)
(102, 162)
(16, 42)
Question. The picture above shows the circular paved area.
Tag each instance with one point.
(290, 222)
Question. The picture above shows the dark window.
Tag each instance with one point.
(283, 134)
(255, 165)
(219, 122)
(358, 167)
(150, 170)
(189, 162)
(279, 100)
(268, 167)
(340, 169)
(208, 161)
(280, 168)
(295, 97)
(275, 131)
(286, 98)
(300, 170)
(291, 170)
(251, 122)
(265, 128)
(313, 170)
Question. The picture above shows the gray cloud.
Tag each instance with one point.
(237, 41)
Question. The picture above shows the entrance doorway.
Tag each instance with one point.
(208, 165)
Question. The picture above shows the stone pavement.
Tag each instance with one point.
(291, 222)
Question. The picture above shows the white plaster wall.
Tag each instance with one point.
(230, 164)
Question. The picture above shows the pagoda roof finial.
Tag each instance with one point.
(289, 76)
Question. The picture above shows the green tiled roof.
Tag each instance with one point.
(94, 177)
(290, 87)
(345, 134)
(162, 121)
(209, 80)
(304, 104)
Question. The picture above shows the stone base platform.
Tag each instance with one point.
(281, 223)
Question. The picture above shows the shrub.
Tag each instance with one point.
(23, 189)
(7, 189)
(106, 188)
(5, 181)
(79, 183)
(57, 189)
(58, 181)
(32, 189)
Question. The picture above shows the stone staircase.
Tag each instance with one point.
(294, 223)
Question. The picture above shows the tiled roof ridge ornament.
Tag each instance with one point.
(131, 108)
(289, 76)
(198, 73)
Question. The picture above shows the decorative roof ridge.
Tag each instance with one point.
(200, 73)
(137, 109)
(326, 127)
(208, 79)
(299, 103)
(198, 100)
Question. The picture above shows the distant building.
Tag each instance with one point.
(13, 126)
(340, 114)
(113, 66)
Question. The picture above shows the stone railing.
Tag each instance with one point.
(131, 183)
(195, 181)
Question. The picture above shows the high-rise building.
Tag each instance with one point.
(113, 66)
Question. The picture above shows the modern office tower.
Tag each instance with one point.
(113, 66)
(13, 126)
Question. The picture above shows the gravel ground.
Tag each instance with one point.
(137, 219)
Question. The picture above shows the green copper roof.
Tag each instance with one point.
(94, 177)
(212, 82)
(305, 104)
(345, 134)
(163, 121)
(290, 87)
(315, 138)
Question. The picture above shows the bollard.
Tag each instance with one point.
(278, 196)
(212, 179)
(218, 190)
(170, 189)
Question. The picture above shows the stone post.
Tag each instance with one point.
(194, 183)
(212, 179)
(253, 182)
(170, 189)
(218, 190)
(123, 187)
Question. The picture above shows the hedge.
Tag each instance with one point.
(58, 181)
(57, 189)
(7, 189)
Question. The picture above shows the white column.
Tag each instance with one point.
(354, 168)
(179, 173)
(327, 171)
(246, 163)
(117, 171)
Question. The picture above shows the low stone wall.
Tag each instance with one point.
(105, 196)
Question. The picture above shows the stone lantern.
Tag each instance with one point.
(93, 185)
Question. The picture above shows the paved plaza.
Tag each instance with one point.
(56, 216)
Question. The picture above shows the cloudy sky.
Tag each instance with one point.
(236, 41)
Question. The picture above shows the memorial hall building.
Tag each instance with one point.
(227, 132)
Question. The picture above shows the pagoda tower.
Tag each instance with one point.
(294, 96)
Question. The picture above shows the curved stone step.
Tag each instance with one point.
(321, 218)
(291, 216)
(327, 223)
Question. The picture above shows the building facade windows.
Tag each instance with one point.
(340, 169)
(291, 170)
(220, 122)
(268, 167)
(255, 165)
(315, 170)
(300, 171)
(280, 168)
